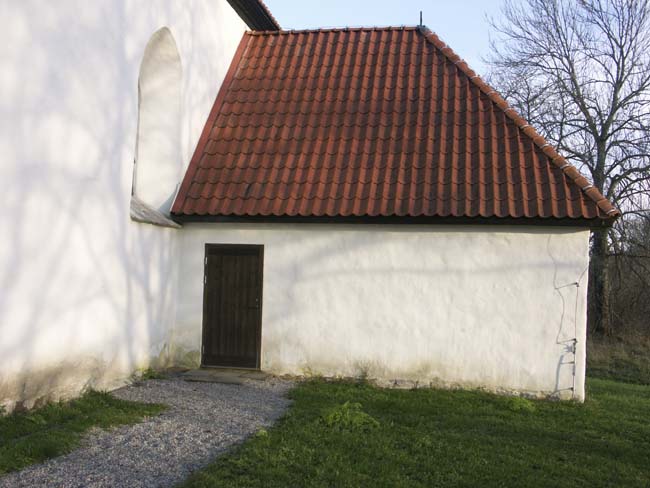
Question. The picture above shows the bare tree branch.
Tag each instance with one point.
(579, 71)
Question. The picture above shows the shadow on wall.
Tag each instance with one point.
(480, 277)
(87, 294)
(470, 350)
(567, 334)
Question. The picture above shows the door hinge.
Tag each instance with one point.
(205, 279)
(205, 261)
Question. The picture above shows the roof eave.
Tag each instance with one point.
(256, 15)
(594, 224)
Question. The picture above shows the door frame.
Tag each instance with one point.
(225, 247)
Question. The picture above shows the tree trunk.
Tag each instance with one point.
(598, 317)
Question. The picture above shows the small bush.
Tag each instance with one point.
(349, 417)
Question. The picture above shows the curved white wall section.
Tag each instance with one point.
(479, 306)
(158, 162)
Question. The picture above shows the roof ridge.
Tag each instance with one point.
(335, 29)
(558, 160)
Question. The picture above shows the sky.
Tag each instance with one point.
(462, 24)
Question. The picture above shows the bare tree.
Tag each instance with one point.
(629, 267)
(579, 71)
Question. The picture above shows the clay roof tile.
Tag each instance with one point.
(373, 122)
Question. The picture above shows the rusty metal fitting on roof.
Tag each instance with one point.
(565, 165)
(613, 210)
(587, 187)
(544, 145)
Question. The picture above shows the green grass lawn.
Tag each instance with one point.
(55, 429)
(341, 434)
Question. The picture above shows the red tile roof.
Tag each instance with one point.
(368, 122)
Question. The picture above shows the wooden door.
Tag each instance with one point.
(232, 305)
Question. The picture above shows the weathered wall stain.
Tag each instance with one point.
(61, 381)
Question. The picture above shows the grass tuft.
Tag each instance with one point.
(518, 404)
(349, 417)
(57, 428)
(262, 433)
(148, 374)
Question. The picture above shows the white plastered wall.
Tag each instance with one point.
(86, 295)
(480, 306)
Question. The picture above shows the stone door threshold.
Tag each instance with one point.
(224, 375)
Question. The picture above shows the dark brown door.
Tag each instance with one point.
(232, 305)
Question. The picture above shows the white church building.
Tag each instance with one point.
(185, 184)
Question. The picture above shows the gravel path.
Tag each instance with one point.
(203, 420)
